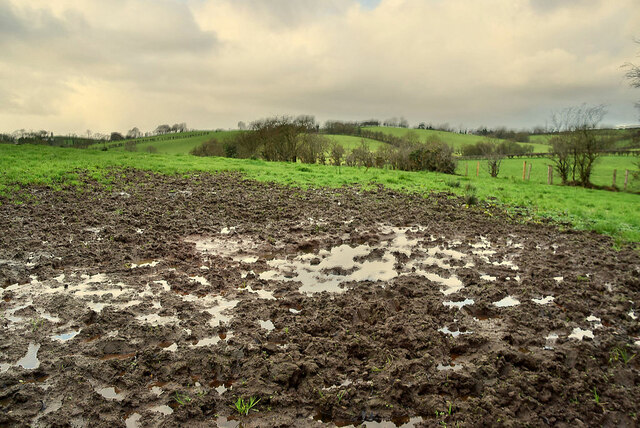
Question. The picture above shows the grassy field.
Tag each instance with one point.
(612, 213)
(172, 144)
(452, 138)
(350, 142)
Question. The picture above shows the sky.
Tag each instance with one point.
(72, 66)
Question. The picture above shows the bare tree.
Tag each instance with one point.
(337, 153)
(494, 157)
(577, 144)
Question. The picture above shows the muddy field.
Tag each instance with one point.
(159, 301)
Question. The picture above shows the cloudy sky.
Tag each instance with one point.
(110, 65)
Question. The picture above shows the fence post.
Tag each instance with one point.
(478, 169)
(466, 169)
(524, 170)
(550, 175)
(613, 184)
(626, 179)
(529, 171)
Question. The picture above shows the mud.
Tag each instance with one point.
(160, 300)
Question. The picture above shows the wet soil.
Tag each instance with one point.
(160, 300)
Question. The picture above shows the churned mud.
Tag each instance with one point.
(161, 300)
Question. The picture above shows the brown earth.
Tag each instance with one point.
(178, 295)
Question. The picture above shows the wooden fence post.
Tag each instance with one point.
(478, 169)
(524, 170)
(613, 184)
(626, 179)
(529, 171)
(550, 175)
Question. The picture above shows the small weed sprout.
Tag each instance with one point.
(244, 406)
(182, 399)
(36, 323)
(596, 397)
(341, 395)
(620, 354)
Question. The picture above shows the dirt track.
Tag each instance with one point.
(161, 300)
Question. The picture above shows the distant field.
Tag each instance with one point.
(454, 139)
(602, 173)
(612, 213)
(350, 142)
(172, 144)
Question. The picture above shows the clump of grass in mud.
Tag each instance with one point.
(182, 399)
(618, 354)
(243, 406)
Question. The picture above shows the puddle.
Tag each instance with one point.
(145, 263)
(296, 311)
(209, 341)
(401, 422)
(155, 319)
(200, 280)
(544, 301)
(217, 312)
(329, 269)
(551, 340)
(580, 334)
(165, 410)
(221, 387)
(30, 361)
(456, 333)
(267, 325)
(111, 393)
(262, 293)
(459, 305)
(454, 367)
(65, 336)
(507, 302)
(133, 421)
(632, 315)
(558, 279)
(488, 278)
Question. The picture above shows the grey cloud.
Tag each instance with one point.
(549, 6)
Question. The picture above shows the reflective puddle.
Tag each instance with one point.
(507, 302)
(30, 361)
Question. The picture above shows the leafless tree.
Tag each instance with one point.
(577, 145)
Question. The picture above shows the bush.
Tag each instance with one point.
(209, 148)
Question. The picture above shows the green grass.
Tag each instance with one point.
(172, 144)
(454, 139)
(602, 173)
(612, 213)
(350, 142)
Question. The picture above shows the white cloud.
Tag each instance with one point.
(70, 65)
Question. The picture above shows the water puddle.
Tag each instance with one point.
(218, 312)
(221, 387)
(580, 334)
(200, 280)
(551, 340)
(456, 333)
(111, 393)
(133, 420)
(262, 293)
(454, 367)
(155, 319)
(164, 409)
(65, 336)
(507, 302)
(632, 315)
(209, 341)
(558, 279)
(544, 301)
(401, 422)
(459, 305)
(30, 361)
(328, 270)
(267, 325)
(488, 278)
(145, 263)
